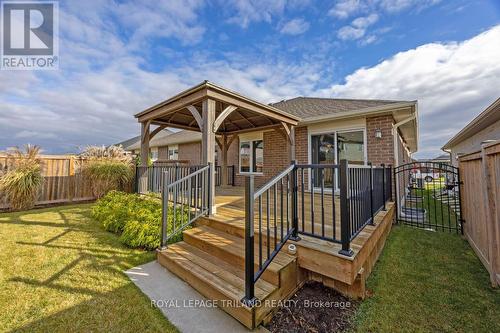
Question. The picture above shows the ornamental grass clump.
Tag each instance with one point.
(107, 168)
(21, 184)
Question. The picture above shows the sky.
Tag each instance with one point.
(117, 58)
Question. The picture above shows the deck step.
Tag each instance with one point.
(231, 249)
(211, 281)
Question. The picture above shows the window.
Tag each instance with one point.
(173, 152)
(351, 147)
(252, 156)
(154, 155)
(330, 148)
(323, 152)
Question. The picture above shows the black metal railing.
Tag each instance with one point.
(271, 208)
(149, 179)
(231, 172)
(316, 199)
(183, 201)
(304, 200)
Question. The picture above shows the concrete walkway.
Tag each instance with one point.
(182, 305)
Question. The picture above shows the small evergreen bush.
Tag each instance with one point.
(137, 219)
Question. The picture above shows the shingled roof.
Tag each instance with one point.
(306, 107)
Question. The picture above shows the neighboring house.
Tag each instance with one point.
(330, 129)
(443, 159)
(486, 126)
(157, 149)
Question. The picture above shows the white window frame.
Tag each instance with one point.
(173, 148)
(249, 137)
(333, 131)
(154, 151)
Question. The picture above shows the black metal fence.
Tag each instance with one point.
(303, 200)
(231, 172)
(148, 179)
(428, 196)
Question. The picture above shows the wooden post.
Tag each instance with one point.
(71, 179)
(208, 146)
(490, 208)
(143, 170)
(292, 143)
(224, 149)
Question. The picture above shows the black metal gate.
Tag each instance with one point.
(428, 196)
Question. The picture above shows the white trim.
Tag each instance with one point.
(335, 132)
(249, 140)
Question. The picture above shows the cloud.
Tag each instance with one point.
(346, 8)
(358, 27)
(453, 82)
(394, 6)
(295, 27)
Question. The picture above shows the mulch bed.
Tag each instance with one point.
(314, 308)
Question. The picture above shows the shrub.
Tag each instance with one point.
(108, 168)
(137, 219)
(21, 184)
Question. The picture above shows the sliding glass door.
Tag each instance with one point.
(323, 152)
(329, 148)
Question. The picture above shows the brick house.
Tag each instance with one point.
(235, 249)
(329, 129)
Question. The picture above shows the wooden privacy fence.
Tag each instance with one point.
(63, 180)
(480, 173)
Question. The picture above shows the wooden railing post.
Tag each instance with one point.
(295, 205)
(209, 188)
(249, 299)
(371, 194)
(164, 211)
(383, 185)
(345, 223)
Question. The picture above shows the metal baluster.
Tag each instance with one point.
(275, 214)
(268, 208)
(260, 232)
(302, 199)
(322, 174)
(312, 201)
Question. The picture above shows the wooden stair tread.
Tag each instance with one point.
(236, 245)
(222, 269)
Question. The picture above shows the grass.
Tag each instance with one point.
(440, 214)
(429, 282)
(62, 272)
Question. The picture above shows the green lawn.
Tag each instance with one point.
(61, 272)
(429, 282)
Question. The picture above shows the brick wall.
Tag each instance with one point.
(191, 152)
(380, 150)
(163, 153)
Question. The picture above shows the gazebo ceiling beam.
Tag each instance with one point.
(250, 107)
(197, 116)
(175, 125)
(156, 131)
(245, 118)
(246, 130)
(222, 116)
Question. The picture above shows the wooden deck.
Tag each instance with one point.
(211, 257)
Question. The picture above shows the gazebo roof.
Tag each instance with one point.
(239, 113)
